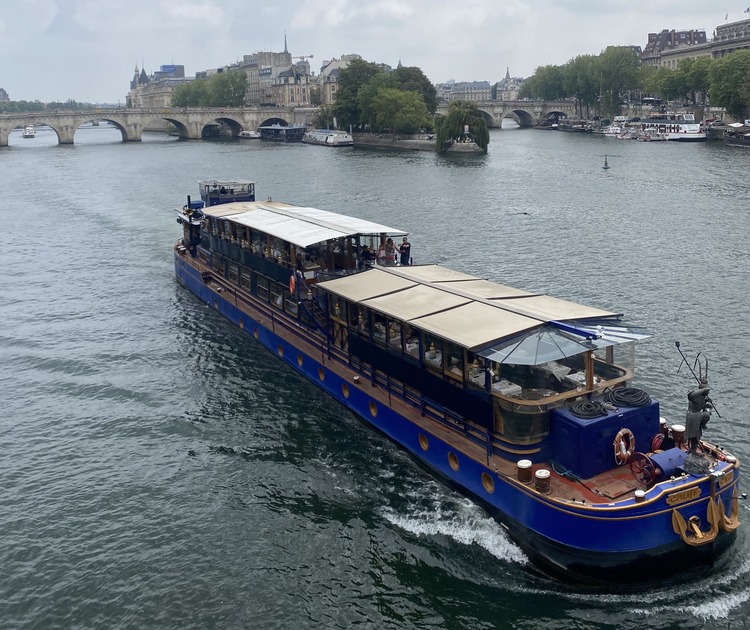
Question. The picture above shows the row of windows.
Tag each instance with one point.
(267, 290)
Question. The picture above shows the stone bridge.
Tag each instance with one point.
(525, 113)
(132, 122)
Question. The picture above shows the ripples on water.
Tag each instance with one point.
(161, 470)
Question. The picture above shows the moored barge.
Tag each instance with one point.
(521, 400)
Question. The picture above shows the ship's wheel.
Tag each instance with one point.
(643, 468)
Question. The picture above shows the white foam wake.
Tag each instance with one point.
(462, 522)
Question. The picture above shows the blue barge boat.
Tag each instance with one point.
(520, 400)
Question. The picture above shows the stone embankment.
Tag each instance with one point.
(418, 142)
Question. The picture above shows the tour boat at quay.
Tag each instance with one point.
(676, 127)
(520, 400)
(328, 138)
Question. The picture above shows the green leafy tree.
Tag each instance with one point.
(581, 80)
(351, 79)
(698, 76)
(323, 119)
(366, 98)
(192, 94)
(401, 111)
(227, 89)
(547, 83)
(412, 79)
(620, 73)
(730, 83)
(451, 126)
(315, 97)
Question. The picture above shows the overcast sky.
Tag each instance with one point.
(87, 50)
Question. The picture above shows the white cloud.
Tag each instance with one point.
(86, 49)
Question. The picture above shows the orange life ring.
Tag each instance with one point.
(624, 446)
(292, 284)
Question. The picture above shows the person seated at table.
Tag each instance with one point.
(366, 256)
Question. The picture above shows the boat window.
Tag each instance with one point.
(394, 334)
(245, 281)
(234, 274)
(290, 304)
(360, 320)
(218, 264)
(379, 327)
(233, 233)
(476, 371)
(454, 360)
(277, 295)
(433, 351)
(262, 289)
(411, 342)
(337, 308)
(245, 237)
(203, 256)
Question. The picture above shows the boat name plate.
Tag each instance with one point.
(684, 495)
(726, 478)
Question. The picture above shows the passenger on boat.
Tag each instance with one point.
(405, 250)
(380, 257)
(366, 257)
(390, 253)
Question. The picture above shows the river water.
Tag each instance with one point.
(160, 470)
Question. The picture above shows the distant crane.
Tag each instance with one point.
(303, 57)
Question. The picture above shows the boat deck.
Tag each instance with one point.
(615, 484)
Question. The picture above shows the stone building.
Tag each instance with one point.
(155, 91)
(4, 98)
(729, 38)
(327, 79)
(660, 44)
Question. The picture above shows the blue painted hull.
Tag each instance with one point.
(571, 539)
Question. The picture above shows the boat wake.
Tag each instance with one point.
(462, 522)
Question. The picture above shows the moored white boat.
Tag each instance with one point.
(328, 138)
(675, 127)
(249, 134)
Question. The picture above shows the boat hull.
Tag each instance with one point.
(572, 540)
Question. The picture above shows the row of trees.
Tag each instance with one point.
(19, 107)
(600, 83)
(401, 101)
(225, 89)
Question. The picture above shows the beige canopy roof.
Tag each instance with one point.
(475, 324)
(366, 285)
(469, 311)
(416, 301)
(297, 225)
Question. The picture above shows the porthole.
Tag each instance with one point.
(488, 483)
(321, 374)
(345, 390)
(423, 442)
(299, 360)
(453, 461)
(242, 324)
(280, 350)
(373, 409)
(255, 333)
(216, 304)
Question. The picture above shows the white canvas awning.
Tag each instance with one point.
(415, 301)
(297, 225)
(366, 285)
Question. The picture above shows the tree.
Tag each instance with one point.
(225, 89)
(451, 126)
(730, 83)
(581, 79)
(315, 97)
(401, 111)
(547, 83)
(351, 79)
(620, 73)
(324, 118)
(366, 98)
(412, 79)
